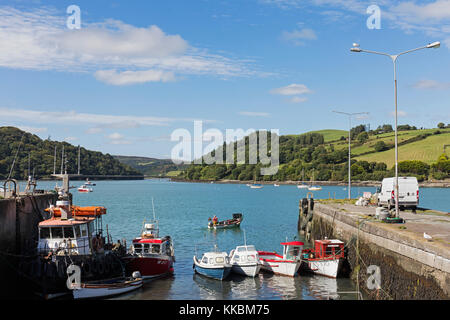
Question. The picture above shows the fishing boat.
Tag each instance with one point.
(256, 186)
(325, 258)
(153, 256)
(71, 235)
(226, 224)
(83, 188)
(286, 264)
(245, 260)
(214, 264)
(107, 288)
(89, 183)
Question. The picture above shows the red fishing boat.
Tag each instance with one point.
(150, 254)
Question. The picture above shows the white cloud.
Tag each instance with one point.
(98, 120)
(117, 138)
(33, 130)
(254, 114)
(431, 84)
(69, 139)
(132, 77)
(400, 113)
(292, 89)
(38, 39)
(297, 37)
(298, 99)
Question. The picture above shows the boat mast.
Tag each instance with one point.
(62, 159)
(54, 162)
(78, 159)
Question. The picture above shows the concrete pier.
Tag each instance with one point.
(411, 267)
(19, 219)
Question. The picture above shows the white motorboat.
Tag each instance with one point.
(83, 188)
(286, 264)
(245, 260)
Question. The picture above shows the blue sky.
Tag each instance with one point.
(136, 71)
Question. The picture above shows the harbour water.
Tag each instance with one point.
(183, 209)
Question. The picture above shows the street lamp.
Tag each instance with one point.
(349, 148)
(394, 57)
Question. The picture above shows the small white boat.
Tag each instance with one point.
(325, 259)
(314, 188)
(276, 185)
(83, 188)
(215, 265)
(89, 183)
(285, 265)
(302, 186)
(106, 288)
(245, 260)
(256, 186)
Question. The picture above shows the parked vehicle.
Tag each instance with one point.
(408, 193)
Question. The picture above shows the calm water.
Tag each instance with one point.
(270, 216)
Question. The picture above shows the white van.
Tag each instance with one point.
(408, 193)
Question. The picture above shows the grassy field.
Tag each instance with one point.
(427, 150)
(173, 173)
(331, 134)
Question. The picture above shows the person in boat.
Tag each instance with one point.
(215, 220)
(117, 246)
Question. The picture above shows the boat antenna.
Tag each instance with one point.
(15, 157)
(54, 162)
(245, 238)
(78, 159)
(153, 207)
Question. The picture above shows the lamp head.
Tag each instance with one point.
(355, 47)
(436, 44)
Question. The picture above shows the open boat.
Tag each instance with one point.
(245, 260)
(83, 188)
(226, 224)
(215, 265)
(287, 264)
(150, 254)
(325, 259)
(106, 288)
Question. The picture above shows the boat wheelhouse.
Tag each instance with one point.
(325, 259)
(149, 254)
(286, 264)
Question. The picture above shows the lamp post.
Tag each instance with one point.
(394, 57)
(349, 147)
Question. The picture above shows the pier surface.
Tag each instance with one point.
(412, 267)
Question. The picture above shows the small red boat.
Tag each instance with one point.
(286, 264)
(149, 254)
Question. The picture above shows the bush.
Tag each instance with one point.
(380, 146)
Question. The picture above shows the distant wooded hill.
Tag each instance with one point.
(323, 156)
(40, 154)
(151, 166)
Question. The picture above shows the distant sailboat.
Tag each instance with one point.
(314, 188)
(302, 185)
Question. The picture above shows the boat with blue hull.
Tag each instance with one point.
(215, 265)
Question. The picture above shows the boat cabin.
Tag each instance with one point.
(244, 254)
(215, 259)
(292, 250)
(143, 246)
(71, 230)
(150, 231)
(327, 249)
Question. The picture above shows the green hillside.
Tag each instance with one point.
(41, 153)
(323, 155)
(152, 166)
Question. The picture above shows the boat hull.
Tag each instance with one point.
(272, 262)
(149, 267)
(250, 270)
(104, 290)
(328, 268)
(218, 273)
